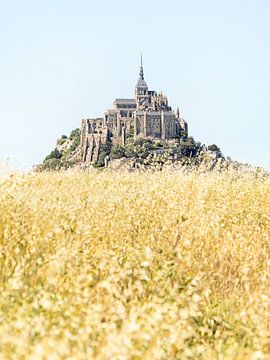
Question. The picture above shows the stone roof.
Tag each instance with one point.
(125, 101)
(141, 83)
(155, 113)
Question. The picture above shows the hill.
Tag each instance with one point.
(142, 153)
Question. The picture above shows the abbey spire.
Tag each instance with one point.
(141, 70)
(141, 82)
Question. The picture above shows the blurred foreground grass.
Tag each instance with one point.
(134, 266)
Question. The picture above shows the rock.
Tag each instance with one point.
(121, 164)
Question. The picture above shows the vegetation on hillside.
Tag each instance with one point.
(66, 154)
(135, 265)
(146, 151)
(143, 151)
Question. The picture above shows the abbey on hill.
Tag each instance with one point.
(148, 115)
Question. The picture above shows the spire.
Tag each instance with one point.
(177, 112)
(141, 69)
(141, 82)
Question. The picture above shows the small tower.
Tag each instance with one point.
(177, 113)
(141, 89)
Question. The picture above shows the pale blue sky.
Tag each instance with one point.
(63, 60)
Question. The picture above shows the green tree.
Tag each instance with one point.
(62, 140)
(214, 148)
(105, 150)
(117, 152)
(189, 147)
(55, 154)
(52, 164)
(75, 134)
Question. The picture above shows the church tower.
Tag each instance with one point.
(141, 90)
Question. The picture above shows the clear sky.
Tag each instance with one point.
(63, 60)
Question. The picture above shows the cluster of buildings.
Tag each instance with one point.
(147, 115)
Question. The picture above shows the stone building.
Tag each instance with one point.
(148, 115)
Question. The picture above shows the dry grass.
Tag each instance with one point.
(134, 266)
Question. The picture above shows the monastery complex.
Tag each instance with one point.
(147, 115)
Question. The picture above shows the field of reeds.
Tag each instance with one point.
(118, 265)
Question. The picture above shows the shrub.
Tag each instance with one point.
(52, 164)
(139, 142)
(76, 133)
(117, 152)
(189, 148)
(55, 154)
(104, 151)
(75, 136)
(61, 141)
(214, 148)
(74, 146)
(130, 134)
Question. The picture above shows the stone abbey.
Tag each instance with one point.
(148, 115)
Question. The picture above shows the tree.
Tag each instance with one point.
(184, 135)
(189, 147)
(214, 148)
(52, 164)
(55, 154)
(117, 152)
(139, 142)
(75, 134)
(104, 151)
(62, 140)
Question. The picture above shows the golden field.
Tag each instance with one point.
(118, 265)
